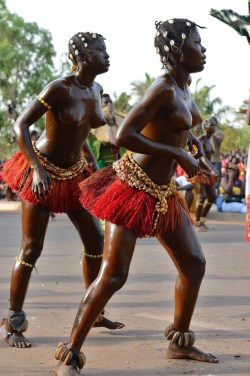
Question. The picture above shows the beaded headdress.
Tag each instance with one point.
(78, 42)
(171, 35)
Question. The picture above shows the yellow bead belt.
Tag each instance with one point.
(59, 173)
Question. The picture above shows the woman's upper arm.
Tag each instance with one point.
(40, 105)
(143, 112)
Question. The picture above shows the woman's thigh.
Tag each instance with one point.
(89, 230)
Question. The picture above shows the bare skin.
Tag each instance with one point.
(156, 130)
(176, 352)
(76, 108)
(206, 193)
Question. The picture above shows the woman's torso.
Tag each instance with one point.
(170, 126)
(70, 120)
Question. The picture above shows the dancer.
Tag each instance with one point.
(46, 173)
(137, 196)
(206, 178)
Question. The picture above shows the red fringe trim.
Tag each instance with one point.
(63, 198)
(109, 198)
(203, 177)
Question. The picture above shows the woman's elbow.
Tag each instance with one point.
(120, 139)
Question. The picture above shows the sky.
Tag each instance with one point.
(129, 29)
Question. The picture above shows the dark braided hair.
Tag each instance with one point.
(80, 42)
(171, 35)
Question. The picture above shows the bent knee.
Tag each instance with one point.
(196, 268)
(116, 281)
(32, 249)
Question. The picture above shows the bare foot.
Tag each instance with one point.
(14, 339)
(71, 370)
(176, 352)
(106, 323)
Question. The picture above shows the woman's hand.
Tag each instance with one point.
(198, 146)
(189, 164)
(42, 183)
(215, 174)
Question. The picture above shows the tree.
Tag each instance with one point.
(121, 103)
(26, 65)
(140, 87)
(207, 106)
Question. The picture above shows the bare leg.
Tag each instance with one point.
(34, 225)
(189, 197)
(186, 253)
(91, 234)
(118, 252)
(211, 196)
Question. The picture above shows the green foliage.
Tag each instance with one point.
(64, 66)
(235, 138)
(121, 103)
(202, 97)
(26, 64)
(140, 87)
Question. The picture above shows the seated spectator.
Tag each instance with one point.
(232, 192)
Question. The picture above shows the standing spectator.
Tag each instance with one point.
(102, 140)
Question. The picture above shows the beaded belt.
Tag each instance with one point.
(130, 172)
(59, 173)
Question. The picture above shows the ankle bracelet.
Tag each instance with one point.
(182, 339)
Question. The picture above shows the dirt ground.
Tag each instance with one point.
(145, 304)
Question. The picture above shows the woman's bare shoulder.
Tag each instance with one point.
(56, 88)
(160, 90)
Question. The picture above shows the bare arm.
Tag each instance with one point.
(88, 154)
(41, 178)
(130, 137)
(195, 141)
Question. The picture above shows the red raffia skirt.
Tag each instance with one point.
(63, 198)
(203, 177)
(123, 194)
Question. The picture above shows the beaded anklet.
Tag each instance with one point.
(92, 256)
(181, 339)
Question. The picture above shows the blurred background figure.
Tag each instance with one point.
(216, 141)
(102, 140)
(232, 191)
(206, 178)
